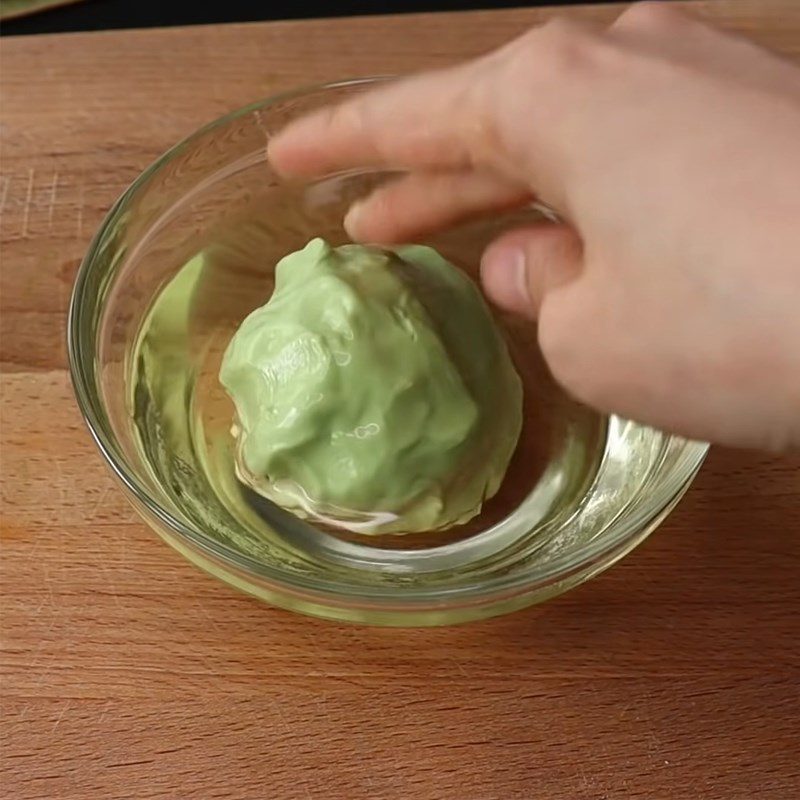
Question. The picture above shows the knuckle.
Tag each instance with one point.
(559, 49)
(567, 47)
(651, 15)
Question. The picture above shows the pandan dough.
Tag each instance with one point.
(373, 390)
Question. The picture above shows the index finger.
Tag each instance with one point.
(433, 121)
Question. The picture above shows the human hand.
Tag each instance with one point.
(671, 292)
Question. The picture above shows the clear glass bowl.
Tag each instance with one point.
(148, 322)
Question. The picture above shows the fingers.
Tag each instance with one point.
(463, 116)
(520, 267)
(426, 121)
(501, 112)
(420, 203)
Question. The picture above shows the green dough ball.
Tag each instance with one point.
(373, 390)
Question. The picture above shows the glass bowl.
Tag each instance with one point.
(180, 259)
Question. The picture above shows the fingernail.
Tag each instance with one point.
(505, 278)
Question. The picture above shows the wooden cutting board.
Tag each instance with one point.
(126, 673)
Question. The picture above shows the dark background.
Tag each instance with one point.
(102, 14)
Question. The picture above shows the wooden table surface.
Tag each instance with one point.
(127, 673)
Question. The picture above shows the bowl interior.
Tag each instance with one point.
(186, 254)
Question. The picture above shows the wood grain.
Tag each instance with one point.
(126, 673)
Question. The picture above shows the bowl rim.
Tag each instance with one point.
(484, 591)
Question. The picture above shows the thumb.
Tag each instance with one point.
(521, 266)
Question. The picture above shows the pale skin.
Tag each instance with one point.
(670, 294)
